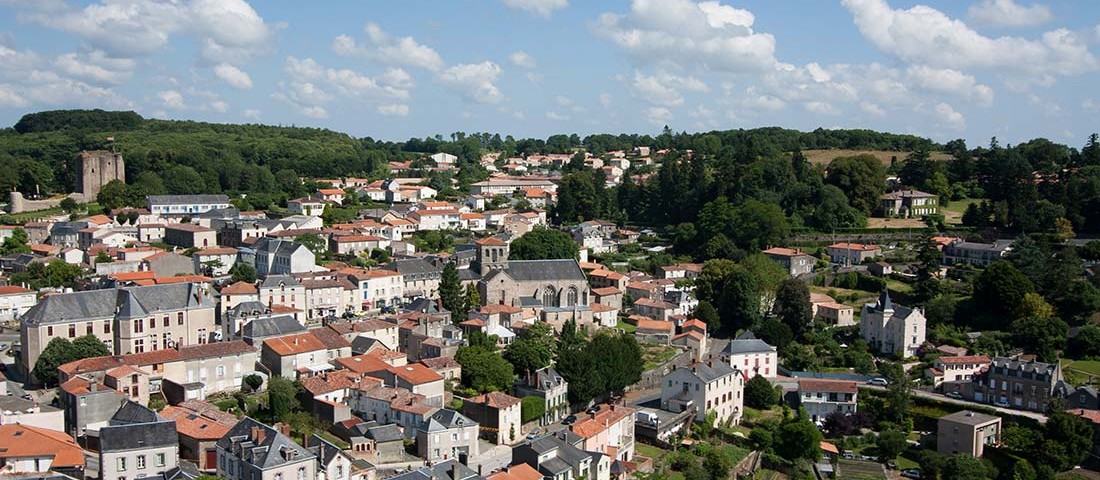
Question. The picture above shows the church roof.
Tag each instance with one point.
(529, 270)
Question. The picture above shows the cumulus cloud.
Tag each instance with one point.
(927, 36)
(96, 67)
(171, 99)
(397, 78)
(312, 85)
(949, 118)
(10, 99)
(234, 76)
(522, 59)
(126, 28)
(542, 8)
(685, 33)
(657, 115)
(950, 82)
(474, 81)
(664, 88)
(394, 110)
(820, 108)
(251, 114)
(1008, 13)
(390, 50)
(552, 115)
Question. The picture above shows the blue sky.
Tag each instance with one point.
(1016, 69)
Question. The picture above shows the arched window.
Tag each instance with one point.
(549, 297)
(571, 297)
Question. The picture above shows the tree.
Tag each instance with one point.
(18, 242)
(1086, 345)
(543, 243)
(862, 178)
(243, 272)
(774, 332)
(705, 311)
(531, 408)
(69, 205)
(114, 194)
(965, 467)
(792, 305)
(890, 443)
(472, 299)
(619, 358)
(733, 291)
(528, 355)
(88, 346)
(450, 293)
(58, 352)
(717, 464)
(254, 382)
(1001, 288)
(799, 439)
(314, 243)
(184, 180)
(484, 370)
(578, 366)
(1068, 440)
(1042, 336)
(102, 257)
(760, 394)
(280, 396)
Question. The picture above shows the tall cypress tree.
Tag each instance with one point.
(450, 293)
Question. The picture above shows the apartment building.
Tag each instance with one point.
(821, 397)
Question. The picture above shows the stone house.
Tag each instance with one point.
(548, 384)
(794, 261)
(200, 425)
(447, 435)
(892, 330)
(254, 451)
(498, 414)
(706, 387)
(821, 397)
(137, 443)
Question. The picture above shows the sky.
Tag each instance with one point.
(1014, 69)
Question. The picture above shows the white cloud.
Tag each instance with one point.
(171, 99)
(820, 108)
(394, 110)
(251, 114)
(474, 81)
(219, 106)
(96, 67)
(385, 48)
(304, 69)
(872, 109)
(949, 118)
(534, 77)
(234, 76)
(927, 36)
(684, 33)
(522, 59)
(605, 99)
(314, 112)
(125, 28)
(664, 88)
(563, 100)
(552, 115)
(1091, 106)
(311, 83)
(658, 115)
(542, 8)
(950, 82)
(397, 78)
(763, 102)
(817, 73)
(1008, 13)
(10, 99)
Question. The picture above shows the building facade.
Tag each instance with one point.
(892, 330)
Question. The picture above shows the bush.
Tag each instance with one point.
(254, 382)
(870, 284)
(760, 394)
(532, 408)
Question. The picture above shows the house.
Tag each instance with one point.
(521, 471)
(967, 433)
(609, 431)
(88, 405)
(137, 443)
(654, 331)
(830, 311)
(415, 378)
(302, 354)
(282, 257)
(14, 301)
(947, 369)
(282, 290)
(254, 451)
(378, 443)
(908, 203)
(510, 186)
(335, 464)
(821, 397)
(794, 261)
(1085, 396)
(682, 270)
(751, 356)
(447, 434)
(892, 330)
(421, 278)
(16, 410)
(378, 289)
(499, 416)
(29, 450)
(356, 244)
(214, 262)
(974, 253)
(200, 425)
(560, 460)
(184, 205)
(310, 206)
(880, 269)
(388, 405)
(548, 384)
(189, 235)
(655, 309)
(706, 387)
(445, 470)
(848, 254)
(1017, 383)
(331, 195)
(128, 320)
(443, 159)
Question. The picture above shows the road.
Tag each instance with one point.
(1041, 418)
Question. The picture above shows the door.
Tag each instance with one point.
(210, 460)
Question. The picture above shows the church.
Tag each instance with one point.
(549, 285)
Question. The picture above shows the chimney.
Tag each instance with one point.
(282, 428)
(93, 386)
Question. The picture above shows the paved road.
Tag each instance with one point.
(1041, 418)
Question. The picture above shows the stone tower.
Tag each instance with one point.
(95, 169)
(492, 254)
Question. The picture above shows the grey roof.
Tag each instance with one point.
(362, 344)
(385, 433)
(269, 449)
(276, 245)
(136, 427)
(447, 419)
(567, 454)
(754, 345)
(708, 372)
(130, 302)
(547, 378)
(413, 265)
(1024, 366)
(425, 305)
(272, 281)
(185, 199)
(229, 212)
(969, 418)
(468, 274)
(746, 335)
(184, 471)
(554, 467)
(446, 470)
(323, 449)
(884, 302)
(535, 270)
(272, 327)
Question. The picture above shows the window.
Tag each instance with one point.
(571, 297)
(49, 331)
(165, 321)
(139, 346)
(179, 318)
(301, 473)
(140, 462)
(139, 326)
(122, 464)
(152, 323)
(72, 331)
(83, 401)
(88, 328)
(107, 326)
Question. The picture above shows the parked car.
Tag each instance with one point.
(593, 409)
(533, 435)
(877, 381)
(848, 455)
(1001, 403)
(954, 394)
(911, 473)
(569, 420)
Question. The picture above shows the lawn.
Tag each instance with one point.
(953, 212)
(754, 416)
(628, 327)
(1080, 372)
(650, 451)
(654, 356)
(908, 459)
(896, 285)
(25, 217)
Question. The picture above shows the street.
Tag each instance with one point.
(1041, 418)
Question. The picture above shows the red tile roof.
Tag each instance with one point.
(240, 288)
(823, 385)
(24, 441)
(497, 400)
(602, 420)
(13, 289)
(416, 374)
(854, 246)
(965, 359)
(198, 422)
(294, 344)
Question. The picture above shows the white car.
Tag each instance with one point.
(878, 381)
(1001, 403)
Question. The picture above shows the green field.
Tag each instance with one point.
(1078, 372)
(650, 451)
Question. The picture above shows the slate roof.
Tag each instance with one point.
(262, 447)
(709, 372)
(447, 419)
(413, 265)
(135, 426)
(446, 470)
(385, 433)
(272, 281)
(130, 302)
(750, 345)
(535, 270)
(968, 417)
(272, 327)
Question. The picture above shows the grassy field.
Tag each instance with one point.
(650, 451)
(825, 156)
(953, 212)
(857, 470)
(656, 355)
(49, 212)
(1078, 372)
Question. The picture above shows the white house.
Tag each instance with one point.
(899, 331)
(15, 300)
(185, 204)
(752, 356)
(822, 397)
(280, 257)
(705, 387)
